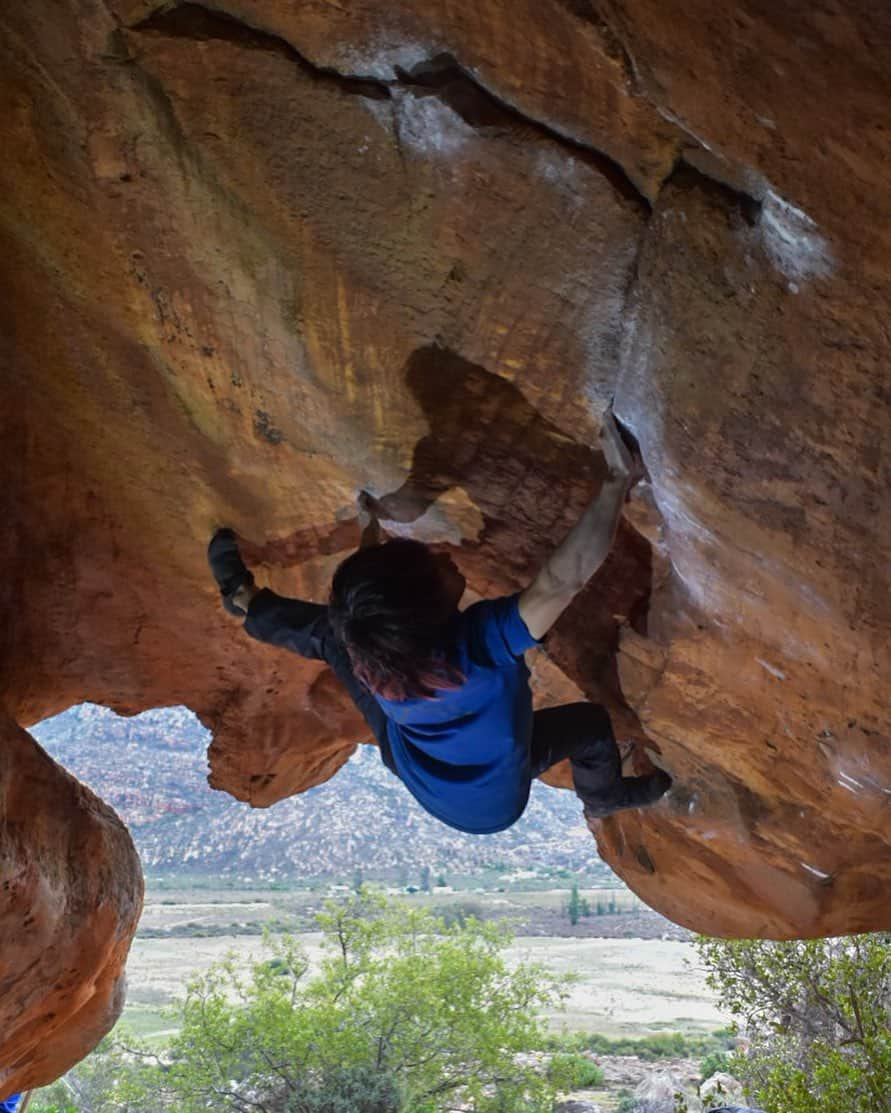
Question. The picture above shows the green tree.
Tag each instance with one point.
(425, 879)
(817, 1015)
(577, 905)
(111, 1080)
(430, 1012)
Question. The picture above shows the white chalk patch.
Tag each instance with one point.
(813, 869)
(381, 110)
(849, 780)
(772, 669)
(379, 56)
(791, 239)
(431, 127)
(672, 118)
(560, 170)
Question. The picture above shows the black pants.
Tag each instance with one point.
(581, 732)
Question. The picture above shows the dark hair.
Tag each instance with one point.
(390, 609)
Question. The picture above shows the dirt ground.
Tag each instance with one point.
(623, 987)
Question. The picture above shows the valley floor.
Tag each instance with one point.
(625, 985)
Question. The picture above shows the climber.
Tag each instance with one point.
(445, 692)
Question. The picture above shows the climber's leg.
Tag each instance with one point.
(583, 733)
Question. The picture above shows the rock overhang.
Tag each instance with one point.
(246, 249)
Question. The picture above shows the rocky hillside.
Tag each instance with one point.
(152, 769)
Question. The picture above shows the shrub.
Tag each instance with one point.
(715, 1061)
(569, 1071)
(346, 1090)
(816, 1015)
(626, 1102)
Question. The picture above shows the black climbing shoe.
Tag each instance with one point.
(229, 570)
(639, 792)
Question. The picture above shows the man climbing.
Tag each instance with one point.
(445, 692)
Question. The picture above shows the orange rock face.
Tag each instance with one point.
(260, 256)
(70, 900)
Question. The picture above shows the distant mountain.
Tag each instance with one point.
(151, 768)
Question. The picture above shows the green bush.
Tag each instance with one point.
(815, 1012)
(715, 1061)
(662, 1045)
(346, 1090)
(570, 1071)
(626, 1102)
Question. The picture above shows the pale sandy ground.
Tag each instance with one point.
(625, 986)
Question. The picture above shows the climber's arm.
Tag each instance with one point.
(586, 546)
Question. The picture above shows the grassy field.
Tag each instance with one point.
(624, 986)
(241, 911)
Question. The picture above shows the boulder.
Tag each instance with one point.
(721, 1088)
(260, 256)
(70, 900)
(663, 1092)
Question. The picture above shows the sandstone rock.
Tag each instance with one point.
(70, 900)
(721, 1089)
(259, 257)
(735, 1109)
(663, 1092)
(577, 1105)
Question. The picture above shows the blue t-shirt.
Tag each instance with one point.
(464, 755)
(11, 1104)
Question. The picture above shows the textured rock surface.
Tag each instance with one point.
(70, 900)
(261, 255)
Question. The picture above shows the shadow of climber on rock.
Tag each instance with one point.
(528, 479)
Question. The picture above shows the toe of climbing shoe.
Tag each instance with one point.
(636, 792)
(658, 784)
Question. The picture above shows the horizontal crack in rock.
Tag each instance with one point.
(442, 76)
(685, 175)
(445, 77)
(195, 21)
(693, 154)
